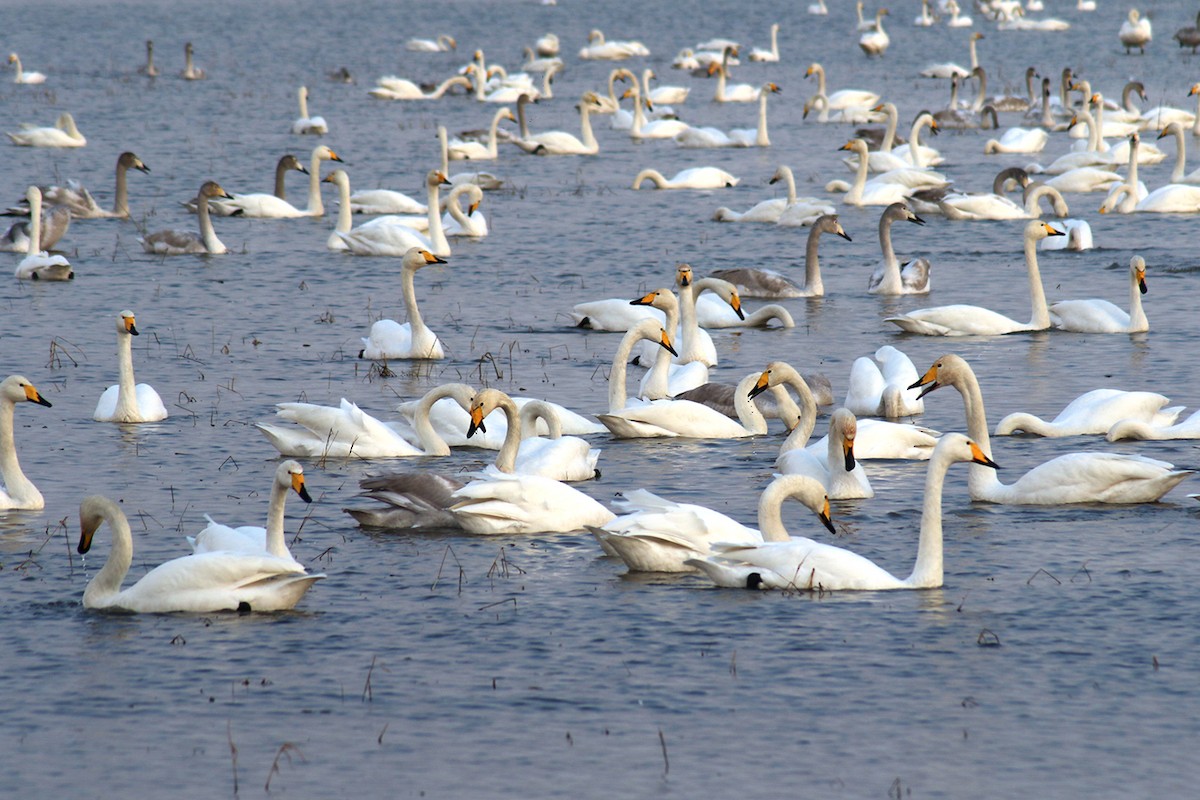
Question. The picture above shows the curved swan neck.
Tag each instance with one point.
(535, 410)
(211, 243)
(316, 207)
(499, 115)
(914, 140)
(790, 182)
(107, 582)
(889, 133)
(784, 374)
(854, 196)
(770, 506)
(819, 71)
(585, 126)
(616, 376)
(506, 459)
(430, 440)
(747, 412)
(15, 483)
(653, 175)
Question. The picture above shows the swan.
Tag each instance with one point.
(956, 19)
(148, 69)
(79, 201)
(1101, 316)
(465, 223)
(736, 93)
(917, 154)
(387, 236)
(38, 264)
(658, 535)
(693, 178)
(888, 278)
(1093, 412)
(1189, 36)
(1137, 429)
(201, 582)
(1070, 478)
(772, 55)
(190, 71)
(926, 18)
(125, 402)
(305, 123)
(54, 225)
(1130, 196)
(1012, 102)
(1018, 140)
(877, 192)
(547, 45)
(664, 378)
(837, 471)
(413, 339)
(663, 95)
(259, 204)
(738, 137)
(639, 128)
(17, 491)
(947, 69)
(459, 150)
(1077, 235)
(998, 206)
(346, 431)
(389, 87)
(768, 283)
(843, 98)
(885, 159)
(175, 242)
(63, 134)
(768, 211)
(1179, 173)
(881, 389)
(598, 48)
(450, 419)
(21, 76)
(510, 93)
(270, 206)
(1135, 32)
(818, 9)
(554, 457)
(442, 44)
(875, 42)
(966, 320)
(561, 143)
(253, 540)
(800, 564)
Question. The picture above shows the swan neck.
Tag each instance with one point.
(762, 139)
(812, 262)
(276, 546)
(344, 219)
(408, 290)
(492, 132)
(437, 234)
(616, 376)
(428, 437)
(658, 381)
(770, 511)
(15, 483)
(303, 103)
(121, 201)
(1180, 170)
(506, 459)
(107, 582)
(854, 196)
(1137, 315)
(914, 141)
(316, 207)
(445, 145)
(885, 244)
(1037, 292)
(127, 407)
(688, 326)
(281, 170)
(927, 572)
(977, 106)
(35, 223)
(585, 125)
(889, 134)
(207, 233)
(747, 412)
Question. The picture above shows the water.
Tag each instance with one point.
(451, 666)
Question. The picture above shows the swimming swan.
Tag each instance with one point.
(201, 582)
(1070, 478)
(1093, 413)
(460, 150)
(176, 242)
(251, 539)
(692, 178)
(443, 43)
(62, 134)
(75, 196)
(260, 204)
(1101, 316)
(306, 124)
(273, 207)
(800, 564)
(888, 278)
(738, 137)
(389, 339)
(190, 71)
(470, 222)
(836, 469)
(126, 402)
(21, 76)
(37, 263)
(768, 283)
(17, 491)
(389, 236)
(389, 87)
(561, 143)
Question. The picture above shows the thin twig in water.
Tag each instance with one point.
(286, 749)
(382, 732)
(1041, 571)
(232, 754)
(367, 695)
(461, 573)
(662, 740)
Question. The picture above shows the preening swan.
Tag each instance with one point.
(17, 491)
(658, 535)
(388, 236)
(1135, 32)
(1071, 478)
(38, 264)
(126, 402)
(79, 201)
(443, 43)
(882, 389)
(1101, 316)
(202, 582)
(413, 339)
(471, 222)
(260, 204)
(965, 320)
(692, 178)
(305, 123)
(800, 564)
(21, 76)
(271, 206)
(768, 283)
(253, 540)
(836, 470)
(888, 278)
(190, 71)
(176, 242)
(63, 134)
(1093, 413)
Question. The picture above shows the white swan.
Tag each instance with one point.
(125, 401)
(1180, 174)
(843, 98)
(62, 134)
(888, 278)
(875, 43)
(665, 378)
(547, 45)
(882, 389)
(389, 87)
(658, 535)
(1018, 140)
(836, 470)
(262, 205)
(735, 93)
(524, 452)
(21, 76)
(190, 71)
(997, 205)
(599, 49)
(388, 236)
(1077, 236)
(799, 211)
(471, 222)
(306, 124)
(877, 192)
(37, 263)
(202, 582)
(692, 178)
(948, 69)
(801, 564)
(772, 55)
(450, 419)
(966, 320)
(75, 196)
(251, 539)
(258, 204)
(1093, 413)
(175, 242)
(738, 137)
(1135, 32)
(768, 283)
(389, 339)
(561, 143)
(1101, 316)
(460, 150)
(17, 491)
(1138, 429)
(442, 44)
(1070, 478)
(513, 91)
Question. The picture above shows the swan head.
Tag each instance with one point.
(131, 161)
(901, 210)
(126, 323)
(436, 178)
(846, 424)
(683, 275)
(946, 371)
(1036, 230)
(323, 153)
(290, 475)
(662, 299)
(1195, 90)
(417, 257)
(857, 145)
(288, 161)
(18, 389)
(1137, 265)
(828, 223)
(91, 517)
(213, 189)
(337, 177)
(772, 88)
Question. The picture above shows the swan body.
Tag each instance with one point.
(599, 49)
(800, 564)
(201, 582)
(261, 204)
(253, 540)
(888, 278)
(1139, 429)
(1101, 316)
(1135, 32)
(1070, 478)
(1093, 412)
(389, 237)
(442, 44)
(1018, 140)
(879, 386)
(875, 42)
(412, 339)
(37, 263)
(190, 71)
(692, 178)
(21, 76)
(271, 206)
(176, 242)
(62, 134)
(17, 491)
(390, 87)
(126, 402)
(966, 320)
(772, 55)
(768, 283)
(561, 143)
(306, 124)
(836, 470)
(459, 150)
(658, 535)
(1077, 235)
